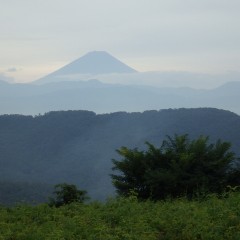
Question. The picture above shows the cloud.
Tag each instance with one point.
(5, 78)
(12, 69)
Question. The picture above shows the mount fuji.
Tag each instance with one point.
(92, 64)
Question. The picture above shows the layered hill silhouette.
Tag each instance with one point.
(105, 98)
(77, 146)
(93, 63)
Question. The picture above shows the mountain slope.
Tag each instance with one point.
(77, 146)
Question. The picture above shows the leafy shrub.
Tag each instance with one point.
(179, 167)
(66, 194)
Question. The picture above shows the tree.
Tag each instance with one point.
(179, 167)
(66, 194)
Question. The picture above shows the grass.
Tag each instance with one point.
(126, 218)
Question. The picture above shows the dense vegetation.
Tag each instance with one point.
(126, 218)
(77, 146)
(180, 167)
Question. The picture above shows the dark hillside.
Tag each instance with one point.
(77, 146)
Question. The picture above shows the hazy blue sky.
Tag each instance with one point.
(38, 36)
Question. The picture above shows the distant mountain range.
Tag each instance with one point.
(108, 69)
(77, 146)
(99, 97)
(62, 90)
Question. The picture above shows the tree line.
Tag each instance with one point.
(179, 167)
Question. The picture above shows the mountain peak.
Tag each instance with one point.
(98, 53)
(93, 63)
(97, 62)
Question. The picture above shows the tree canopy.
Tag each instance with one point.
(179, 167)
(66, 194)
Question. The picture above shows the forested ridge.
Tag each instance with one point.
(77, 146)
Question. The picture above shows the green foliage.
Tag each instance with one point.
(66, 194)
(126, 218)
(179, 167)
